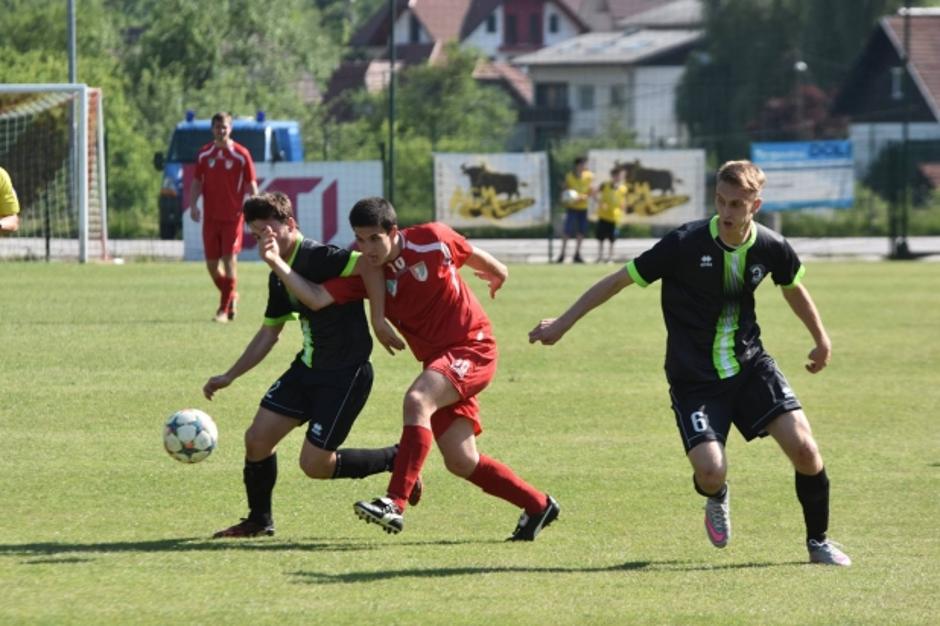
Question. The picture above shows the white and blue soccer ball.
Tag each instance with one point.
(569, 196)
(190, 435)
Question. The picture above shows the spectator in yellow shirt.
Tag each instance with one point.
(9, 205)
(579, 180)
(611, 201)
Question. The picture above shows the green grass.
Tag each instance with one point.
(99, 525)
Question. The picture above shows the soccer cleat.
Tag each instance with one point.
(528, 528)
(415, 497)
(381, 511)
(221, 316)
(232, 308)
(578, 259)
(245, 528)
(718, 520)
(825, 552)
(560, 259)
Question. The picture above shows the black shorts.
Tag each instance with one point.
(606, 230)
(330, 400)
(749, 400)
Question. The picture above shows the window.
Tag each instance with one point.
(491, 23)
(618, 96)
(414, 30)
(535, 29)
(553, 23)
(512, 37)
(551, 95)
(586, 97)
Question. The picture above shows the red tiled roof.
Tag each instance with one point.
(931, 171)
(511, 78)
(924, 52)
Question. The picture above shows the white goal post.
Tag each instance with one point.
(52, 145)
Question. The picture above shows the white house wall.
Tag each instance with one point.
(566, 28)
(869, 139)
(654, 97)
(488, 43)
(403, 30)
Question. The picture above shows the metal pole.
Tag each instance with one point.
(391, 101)
(73, 60)
(901, 249)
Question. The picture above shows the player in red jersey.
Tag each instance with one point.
(448, 331)
(224, 174)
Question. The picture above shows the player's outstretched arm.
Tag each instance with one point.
(803, 306)
(254, 353)
(488, 268)
(311, 294)
(550, 331)
(374, 280)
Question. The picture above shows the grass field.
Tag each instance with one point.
(100, 526)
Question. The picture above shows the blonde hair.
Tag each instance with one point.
(743, 174)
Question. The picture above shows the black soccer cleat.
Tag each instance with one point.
(232, 308)
(528, 527)
(381, 511)
(245, 528)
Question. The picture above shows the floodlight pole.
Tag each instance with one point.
(391, 102)
(900, 249)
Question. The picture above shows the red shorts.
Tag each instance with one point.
(469, 368)
(221, 239)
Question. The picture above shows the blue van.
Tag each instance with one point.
(268, 142)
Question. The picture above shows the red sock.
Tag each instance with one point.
(499, 480)
(413, 449)
(218, 280)
(228, 288)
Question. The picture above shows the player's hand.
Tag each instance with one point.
(268, 247)
(387, 337)
(214, 384)
(818, 358)
(495, 281)
(195, 214)
(547, 332)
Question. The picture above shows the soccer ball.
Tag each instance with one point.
(569, 196)
(190, 435)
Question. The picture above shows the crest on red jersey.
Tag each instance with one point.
(392, 286)
(211, 162)
(419, 271)
(229, 163)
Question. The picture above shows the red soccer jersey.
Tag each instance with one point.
(226, 175)
(425, 297)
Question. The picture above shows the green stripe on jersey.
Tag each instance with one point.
(351, 263)
(723, 358)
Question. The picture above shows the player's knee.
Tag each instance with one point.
(710, 477)
(806, 457)
(460, 464)
(256, 445)
(317, 466)
(417, 407)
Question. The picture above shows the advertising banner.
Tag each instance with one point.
(507, 190)
(806, 174)
(322, 193)
(664, 187)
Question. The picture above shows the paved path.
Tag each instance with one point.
(508, 250)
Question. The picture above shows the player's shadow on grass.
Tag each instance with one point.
(319, 578)
(64, 552)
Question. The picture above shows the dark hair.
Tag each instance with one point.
(222, 116)
(265, 206)
(581, 160)
(374, 211)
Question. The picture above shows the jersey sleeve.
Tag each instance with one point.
(460, 248)
(279, 309)
(199, 172)
(346, 290)
(657, 262)
(787, 270)
(326, 262)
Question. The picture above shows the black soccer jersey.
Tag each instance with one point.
(708, 295)
(336, 336)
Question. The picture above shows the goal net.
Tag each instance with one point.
(52, 145)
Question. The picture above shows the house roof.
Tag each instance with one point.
(931, 173)
(867, 91)
(676, 14)
(507, 76)
(617, 48)
(604, 15)
(444, 20)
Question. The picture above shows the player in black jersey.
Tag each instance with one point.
(718, 371)
(329, 380)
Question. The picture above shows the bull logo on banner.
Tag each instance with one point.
(493, 195)
(642, 182)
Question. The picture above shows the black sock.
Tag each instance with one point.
(362, 462)
(260, 477)
(813, 494)
(721, 492)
